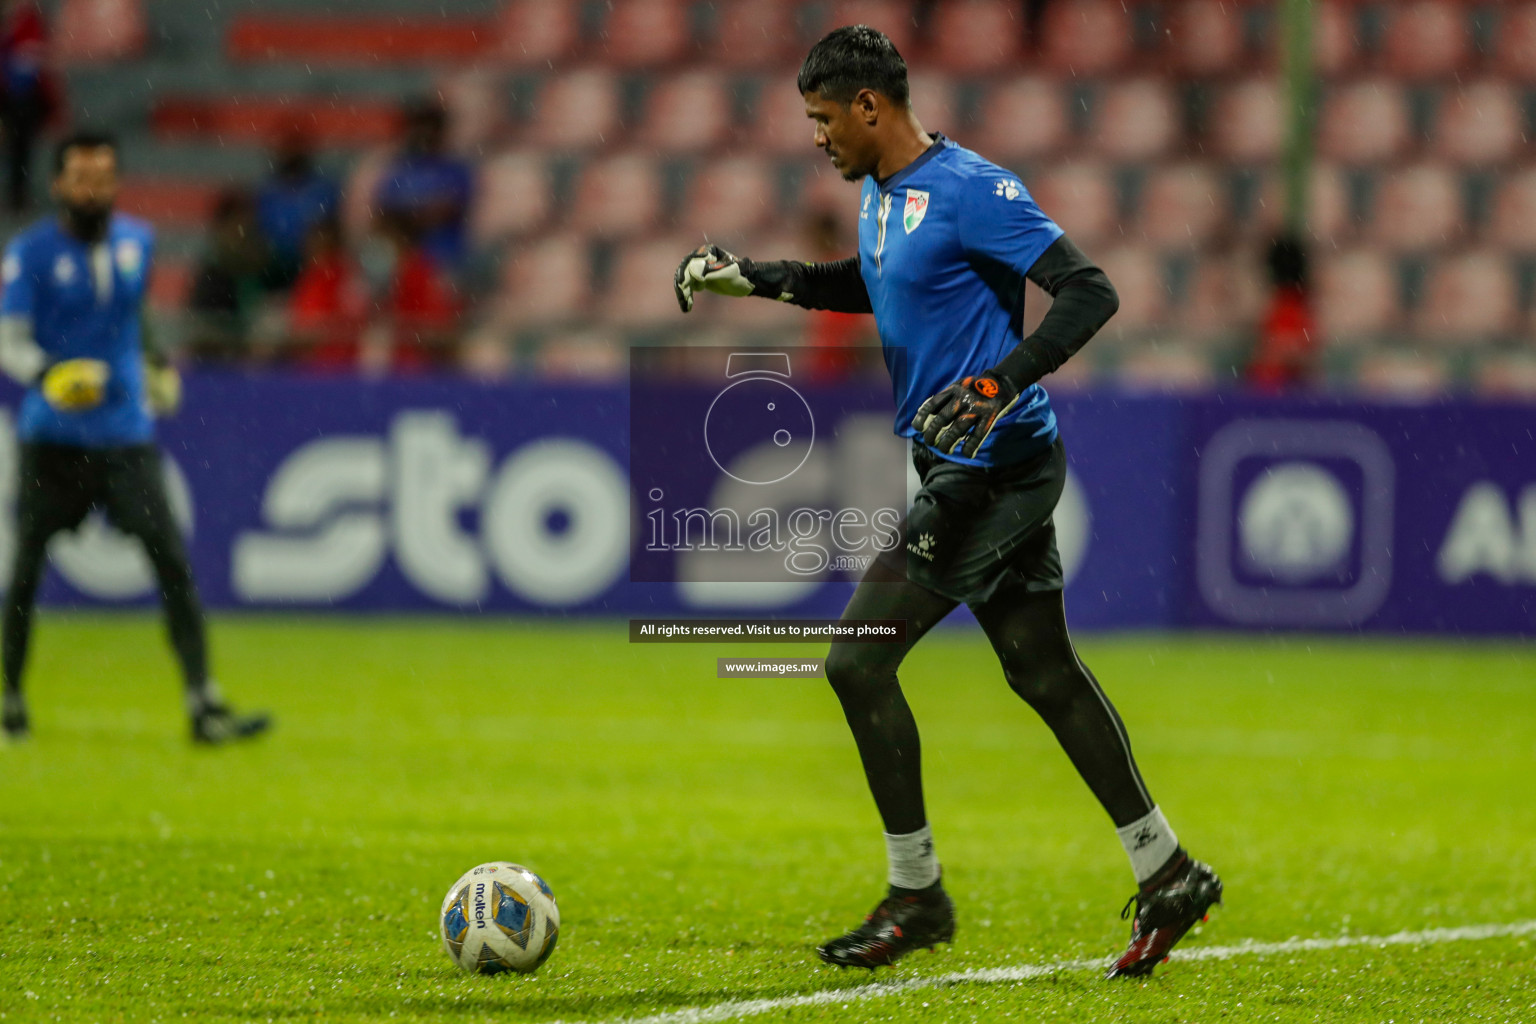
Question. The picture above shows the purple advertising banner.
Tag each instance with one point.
(1219, 511)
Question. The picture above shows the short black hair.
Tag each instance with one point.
(85, 139)
(850, 59)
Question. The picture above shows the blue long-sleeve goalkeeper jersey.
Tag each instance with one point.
(944, 245)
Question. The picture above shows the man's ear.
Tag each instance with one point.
(866, 105)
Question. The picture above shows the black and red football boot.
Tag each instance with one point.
(1166, 907)
(900, 924)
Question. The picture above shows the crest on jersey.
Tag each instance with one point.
(130, 257)
(63, 270)
(916, 209)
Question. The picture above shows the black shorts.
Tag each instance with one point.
(59, 485)
(974, 534)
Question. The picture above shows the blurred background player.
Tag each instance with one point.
(71, 332)
(946, 242)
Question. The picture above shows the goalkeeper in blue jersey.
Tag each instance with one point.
(71, 331)
(946, 243)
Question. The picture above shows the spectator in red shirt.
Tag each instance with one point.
(28, 94)
(1287, 354)
(328, 307)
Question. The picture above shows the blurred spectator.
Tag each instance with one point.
(327, 308)
(229, 284)
(839, 342)
(416, 306)
(1286, 357)
(429, 188)
(28, 94)
(293, 199)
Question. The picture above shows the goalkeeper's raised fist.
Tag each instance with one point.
(75, 385)
(959, 418)
(713, 269)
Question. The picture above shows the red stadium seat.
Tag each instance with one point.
(476, 103)
(1512, 222)
(171, 284)
(1402, 375)
(728, 197)
(1205, 37)
(617, 196)
(779, 124)
(934, 102)
(1085, 38)
(547, 281)
(753, 34)
(536, 33)
(168, 202)
(639, 292)
(1182, 206)
(893, 17)
(1480, 125)
(1506, 376)
(1248, 123)
(1356, 296)
(1166, 369)
(587, 355)
(687, 112)
(1082, 198)
(512, 198)
(1426, 39)
(1469, 299)
(646, 33)
(1329, 218)
(357, 39)
(1135, 120)
(1137, 275)
(1365, 122)
(976, 36)
(1418, 208)
(94, 31)
(1022, 119)
(1224, 299)
(575, 110)
(263, 119)
(1514, 42)
(1335, 40)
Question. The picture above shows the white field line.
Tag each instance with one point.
(736, 1009)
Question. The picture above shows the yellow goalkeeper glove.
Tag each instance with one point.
(162, 385)
(76, 385)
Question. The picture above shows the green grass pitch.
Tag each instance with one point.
(703, 835)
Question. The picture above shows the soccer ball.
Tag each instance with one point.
(500, 917)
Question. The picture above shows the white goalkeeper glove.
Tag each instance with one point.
(713, 269)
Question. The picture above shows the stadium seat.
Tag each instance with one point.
(1364, 122)
(575, 110)
(1085, 38)
(730, 196)
(1182, 207)
(1166, 369)
(586, 355)
(935, 103)
(639, 291)
(1425, 39)
(1355, 296)
(1514, 42)
(976, 36)
(1022, 119)
(645, 33)
(1506, 376)
(1205, 37)
(1335, 39)
(1480, 125)
(779, 125)
(753, 34)
(1247, 122)
(1402, 375)
(1224, 298)
(476, 103)
(1135, 120)
(893, 17)
(1512, 222)
(1329, 218)
(372, 39)
(171, 284)
(1137, 275)
(546, 281)
(95, 31)
(617, 196)
(1468, 299)
(537, 33)
(1418, 208)
(686, 113)
(168, 203)
(340, 121)
(512, 197)
(1082, 198)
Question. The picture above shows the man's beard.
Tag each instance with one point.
(87, 222)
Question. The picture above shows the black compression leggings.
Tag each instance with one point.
(1029, 634)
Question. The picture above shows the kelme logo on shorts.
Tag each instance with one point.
(924, 547)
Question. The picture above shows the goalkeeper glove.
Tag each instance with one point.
(162, 386)
(713, 269)
(959, 418)
(75, 385)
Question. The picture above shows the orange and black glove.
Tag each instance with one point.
(958, 419)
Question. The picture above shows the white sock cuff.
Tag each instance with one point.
(911, 858)
(1149, 842)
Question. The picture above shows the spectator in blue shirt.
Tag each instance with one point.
(429, 186)
(290, 203)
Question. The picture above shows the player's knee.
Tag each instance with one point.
(1045, 686)
(855, 673)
